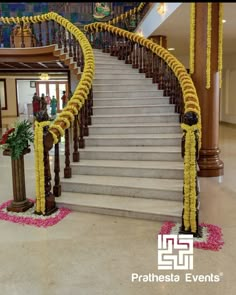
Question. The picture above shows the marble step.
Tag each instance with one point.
(130, 87)
(97, 102)
(97, 129)
(126, 93)
(126, 119)
(122, 81)
(146, 169)
(148, 209)
(135, 109)
(107, 61)
(132, 75)
(131, 153)
(134, 140)
(112, 65)
(150, 188)
(113, 70)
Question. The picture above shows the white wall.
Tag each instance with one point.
(25, 94)
(152, 19)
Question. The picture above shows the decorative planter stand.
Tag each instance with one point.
(20, 203)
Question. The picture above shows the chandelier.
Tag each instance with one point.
(44, 77)
(161, 9)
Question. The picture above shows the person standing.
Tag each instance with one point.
(53, 105)
(64, 99)
(36, 104)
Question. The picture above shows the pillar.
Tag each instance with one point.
(160, 40)
(209, 161)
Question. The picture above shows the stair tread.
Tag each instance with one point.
(135, 106)
(175, 165)
(137, 115)
(122, 91)
(132, 136)
(131, 149)
(128, 182)
(136, 125)
(151, 206)
(130, 98)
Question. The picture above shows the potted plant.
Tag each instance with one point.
(15, 143)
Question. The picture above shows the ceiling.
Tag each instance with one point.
(33, 66)
(176, 28)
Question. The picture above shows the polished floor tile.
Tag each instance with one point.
(90, 254)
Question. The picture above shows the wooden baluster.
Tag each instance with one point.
(67, 169)
(1, 37)
(32, 41)
(86, 131)
(82, 62)
(22, 34)
(53, 32)
(12, 38)
(64, 38)
(78, 54)
(90, 106)
(59, 41)
(136, 56)
(160, 75)
(50, 205)
(75, 139)
(133, 54)
(148, 64)
(112, 45)
(141, 64)
(81, 129)
(154, 76)
(173, 88)
(70, 45)
(40, 34)
(57, 183)
(74, 49)
(126, 50)
(102, 41)
(47, 33)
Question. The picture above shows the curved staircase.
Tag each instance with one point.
(131, 164)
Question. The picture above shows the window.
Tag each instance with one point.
(3, 95)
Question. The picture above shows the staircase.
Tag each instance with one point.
(131, 164)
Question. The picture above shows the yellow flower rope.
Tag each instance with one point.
(192, 37)
(220, 44)
(208, 53)
(39, 166)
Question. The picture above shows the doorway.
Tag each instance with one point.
(52, 88)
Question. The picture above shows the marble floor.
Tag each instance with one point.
(91, 254)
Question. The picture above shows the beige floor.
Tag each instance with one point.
(90, 254)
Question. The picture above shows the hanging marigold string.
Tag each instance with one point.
(208, 53)
(220, 43)
(192, 37)
(190, 173)
(39, 166)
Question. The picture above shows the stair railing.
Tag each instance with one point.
(171, 77)
(74, 118)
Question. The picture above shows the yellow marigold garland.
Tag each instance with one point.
(190, 178)
(208, 53)
(192, 37)
(220, 44)
(39, 166)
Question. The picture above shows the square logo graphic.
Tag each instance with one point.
(175, 252)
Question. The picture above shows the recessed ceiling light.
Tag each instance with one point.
(223, 21)
(171, 49)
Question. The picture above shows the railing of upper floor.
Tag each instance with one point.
(151, 59)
